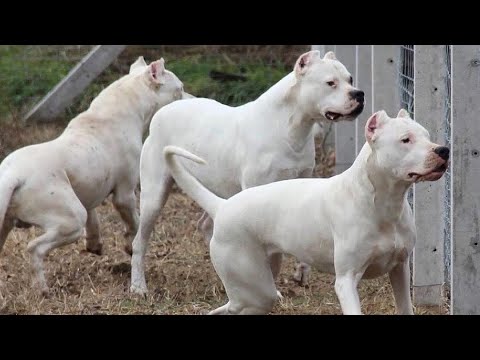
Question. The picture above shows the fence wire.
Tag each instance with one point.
(447, 140)
(406, 79)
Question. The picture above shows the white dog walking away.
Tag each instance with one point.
(267, 140)
(355, 225)
(58, 184)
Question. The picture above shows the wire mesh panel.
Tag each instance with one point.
(406, 77)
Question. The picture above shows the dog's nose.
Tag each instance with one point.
(358, 95)
(443, 152)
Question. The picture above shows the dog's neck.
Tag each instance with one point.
(386, 195)
(133, 105)
(289, 119)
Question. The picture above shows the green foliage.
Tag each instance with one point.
(25, 79)
(27, 73)
(194, 72)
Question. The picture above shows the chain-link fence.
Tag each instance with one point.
(406, 78)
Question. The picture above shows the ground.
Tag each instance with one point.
(179, 273)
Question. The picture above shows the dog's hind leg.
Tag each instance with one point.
(206, 227)
(124, 201)
(222, 310)
(152, 199)
(246, 275)
(156, 184)
(6, 228)
(62, 216)
(276, 265)
(302, 272)
(94, 245)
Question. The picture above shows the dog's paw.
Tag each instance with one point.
(138, 290)
(97, 250)
(43, 290)
(302, 271)
(128, 249)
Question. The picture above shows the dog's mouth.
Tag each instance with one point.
(357, 111)
(333, 116)
(432, 175)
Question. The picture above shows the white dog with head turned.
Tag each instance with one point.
(267, 140)
(58, 184)
(355, 225)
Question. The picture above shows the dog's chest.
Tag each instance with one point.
(390, 248)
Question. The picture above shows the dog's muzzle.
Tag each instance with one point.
(435, 174)
(358, 110)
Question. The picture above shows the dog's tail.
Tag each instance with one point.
(205, 198)
(7, 187)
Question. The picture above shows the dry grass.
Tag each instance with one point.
(180, 276)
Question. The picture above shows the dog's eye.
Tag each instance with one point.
(331, 83)
(351, 80)
(406, 140)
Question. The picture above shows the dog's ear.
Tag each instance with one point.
(304, 61)
(375, 122)
(156, 71)
(403, 114)
(140, 64)
(330, 56)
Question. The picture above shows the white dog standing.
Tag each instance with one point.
(266, 140)
(58, 184)
(355, 225)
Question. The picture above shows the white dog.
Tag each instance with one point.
(58, 184)
(355, 225)
(266, 140)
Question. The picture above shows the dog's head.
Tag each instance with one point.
(166, 85)
(326, 88)
(403, 147)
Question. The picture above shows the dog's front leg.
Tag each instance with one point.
(349, 269)
(400, 280)
(124, 202)
(347, 293)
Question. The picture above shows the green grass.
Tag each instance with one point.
(27, 73)
(194, 72)
(24, 79)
